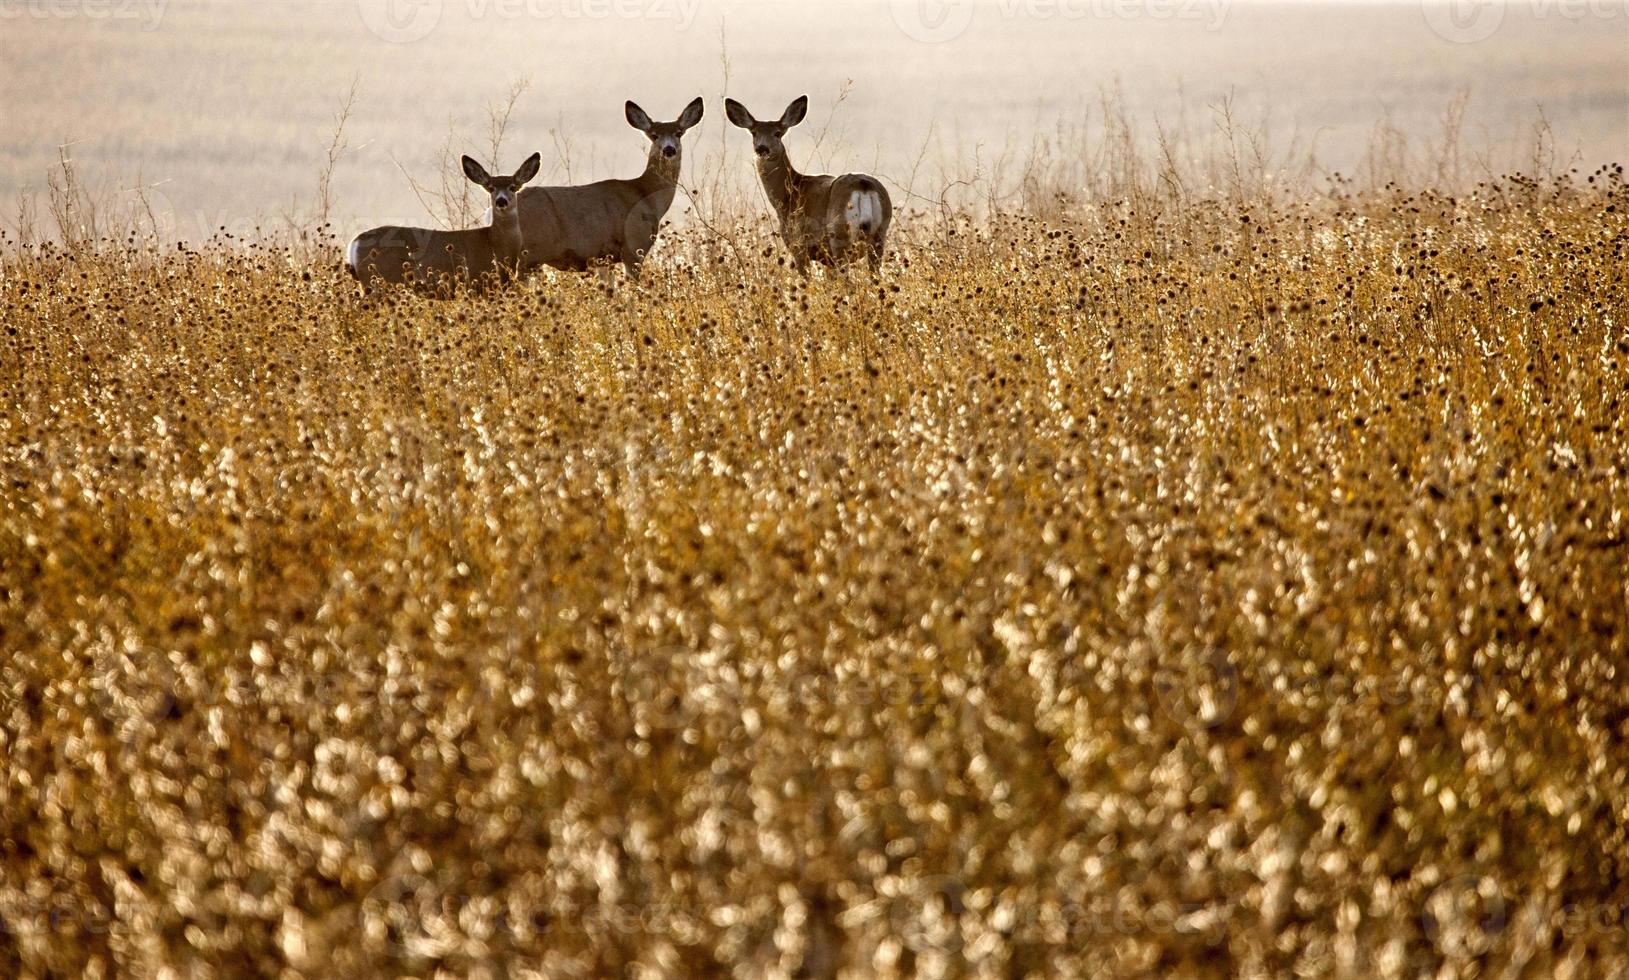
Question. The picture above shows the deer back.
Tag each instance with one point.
(426, 257)
(569, 227)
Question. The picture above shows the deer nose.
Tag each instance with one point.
(669, 152)
(761, 150)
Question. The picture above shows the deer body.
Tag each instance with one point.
(431, 259)
(573, 228)
(436, 261)
(825, 219)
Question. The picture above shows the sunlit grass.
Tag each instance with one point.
(1201, 591)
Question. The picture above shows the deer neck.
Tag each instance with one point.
(661, 173)
(505, 232)
(780, 179)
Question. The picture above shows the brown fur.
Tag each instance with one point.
(574, 227)
(813, 207)
(440, 261)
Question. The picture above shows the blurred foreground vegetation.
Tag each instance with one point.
(1214, 589)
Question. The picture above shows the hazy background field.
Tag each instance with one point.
(1166, 576)
(226, 107)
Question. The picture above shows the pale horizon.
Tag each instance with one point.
(224, 110)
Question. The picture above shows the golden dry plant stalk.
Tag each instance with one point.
(1225, 590)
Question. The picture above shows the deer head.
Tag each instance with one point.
(505, 189)
(665, 137)
(767, 136)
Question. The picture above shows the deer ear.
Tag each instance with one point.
(692, 113)
(476, 173)
(738, 114)
(795, 112)
(528, 170)
(637, 118)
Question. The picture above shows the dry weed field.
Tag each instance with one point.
(1170, 586)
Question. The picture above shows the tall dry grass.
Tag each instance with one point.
(1202, 581)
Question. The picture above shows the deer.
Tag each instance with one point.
(824, 219)
(576, 227)
(432, 260)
